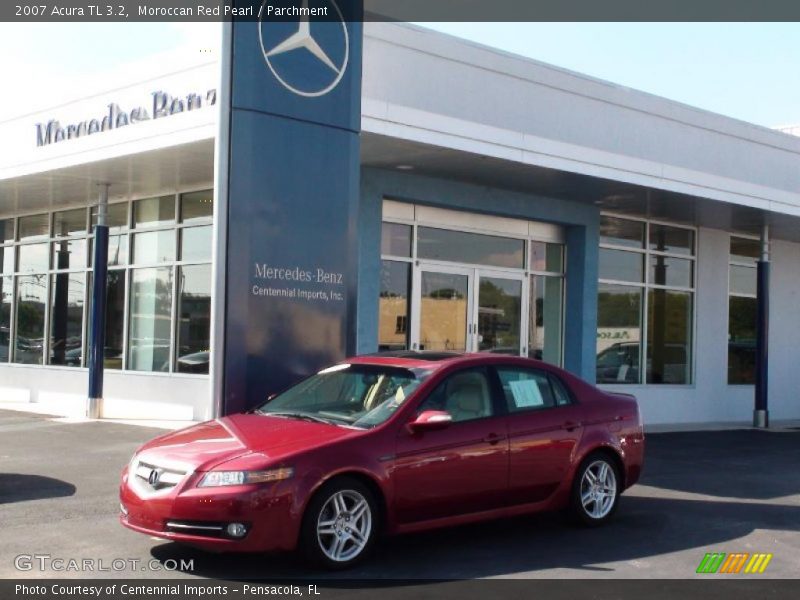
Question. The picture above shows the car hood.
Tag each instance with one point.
(202, 447)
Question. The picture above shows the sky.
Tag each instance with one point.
(748, 71)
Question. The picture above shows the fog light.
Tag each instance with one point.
(123, 510)
(236, 530)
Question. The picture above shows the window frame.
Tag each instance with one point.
(549, 375)
(87, 267)
(646, 285)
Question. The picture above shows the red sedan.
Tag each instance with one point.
(388, 444)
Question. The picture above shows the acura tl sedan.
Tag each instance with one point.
(388, 444)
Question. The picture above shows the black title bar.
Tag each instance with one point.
(67, 11)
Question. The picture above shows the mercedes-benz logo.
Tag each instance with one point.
(331, 56)
(152, 479)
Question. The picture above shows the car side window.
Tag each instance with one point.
(560, 392)
(527, 389)
(465, 395)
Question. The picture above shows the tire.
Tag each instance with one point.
(340, 524)
(595, 490)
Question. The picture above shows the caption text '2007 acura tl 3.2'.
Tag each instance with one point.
(388, 444)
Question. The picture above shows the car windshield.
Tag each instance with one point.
(354, 395)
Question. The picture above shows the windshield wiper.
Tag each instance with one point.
(296, 415)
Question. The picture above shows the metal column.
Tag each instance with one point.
(97, 319)
(761, 410)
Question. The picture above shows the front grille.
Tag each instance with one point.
(155, 478)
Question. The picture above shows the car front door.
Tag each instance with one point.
(462, 468)
(543, 428)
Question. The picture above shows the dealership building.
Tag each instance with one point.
(496, 204)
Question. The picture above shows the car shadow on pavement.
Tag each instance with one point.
(746, 463)
(20, 487)
(644, 529)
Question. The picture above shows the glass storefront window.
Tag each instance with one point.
(743, 280)
(547, 257)
(396, 239)
(115, 319)
(69, 254)
(621, 232)
(674, 240)
(6, 231)
(669, 332)
(150, 323)
(66, 319)
(52, 257)
(669, 271)
(196, 243)
(6, 260)
(33, 258)
(742, 310)
(194, 319)
(116, 218)
(117, 250)
(619, 333)
(745, 250)
(31, 306)
(33, 227)
(69, 222)
(152, 212)
(197, 207)
(546, 318)
(473, 248)
(660, 352)
(618, 265)
(443, 311)
(393, 306)
(6, 295)
(154, 247)
(742, 340)
(499, 315)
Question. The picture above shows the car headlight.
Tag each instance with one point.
(221, 478)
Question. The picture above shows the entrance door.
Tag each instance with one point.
(442, 318)
(498, 313)
(464, 309)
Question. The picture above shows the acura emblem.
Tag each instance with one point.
(330, 52)
(152, 479)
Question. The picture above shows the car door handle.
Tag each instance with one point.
(492, 438)
(570, 425)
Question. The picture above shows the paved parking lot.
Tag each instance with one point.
(722, 491)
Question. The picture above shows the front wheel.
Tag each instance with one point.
(596, 489)
(340, 524)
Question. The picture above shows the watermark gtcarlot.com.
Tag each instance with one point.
(48, 562)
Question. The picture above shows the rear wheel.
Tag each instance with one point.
(596, 489)
(340, 524)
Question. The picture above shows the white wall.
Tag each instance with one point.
(126, 395)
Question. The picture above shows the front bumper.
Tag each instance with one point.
(266, 509)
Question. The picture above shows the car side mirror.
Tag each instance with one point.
(430, 420)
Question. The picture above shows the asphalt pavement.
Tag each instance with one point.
(720, 491)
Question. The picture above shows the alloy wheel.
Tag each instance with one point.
(598, 490)
(344, 525)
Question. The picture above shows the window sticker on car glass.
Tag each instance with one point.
(526, 393)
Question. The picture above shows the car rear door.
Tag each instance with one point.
(460, 469)
(543, 426)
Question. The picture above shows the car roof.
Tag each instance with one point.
(432, 360)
